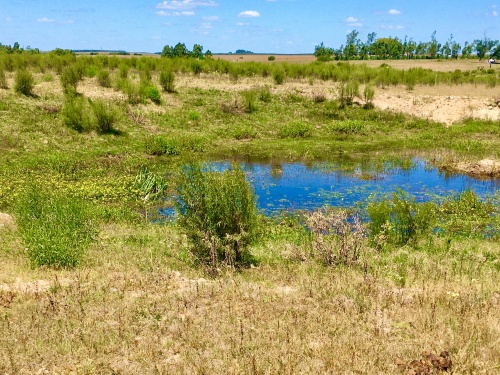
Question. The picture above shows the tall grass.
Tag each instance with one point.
(24, 82)
(56, 229)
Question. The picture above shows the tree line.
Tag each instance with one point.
(395, 48)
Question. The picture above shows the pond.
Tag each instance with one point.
(297, 186)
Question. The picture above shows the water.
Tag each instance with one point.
(296, 186)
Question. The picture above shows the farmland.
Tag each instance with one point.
(95, 146)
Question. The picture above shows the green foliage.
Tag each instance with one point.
(56, 229)
(152, 93)
(347, 92)
(249, 97)
(279, 75)
(400, 219)
(193, 115)
(217, 212)
(167, 80)
(150, 186)
(161, 145)
(296, 129)
(104, 116)
(348, 127)
(82, 115)
(24, 83)
(369, 95)
(103, 78)
(69, 79)
(271, 58)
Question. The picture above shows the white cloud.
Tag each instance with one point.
(175, 14)
(494, 13)
(249, 13)
(392, 27)
(393, 12)
(180, 5)
(46, 20)
(353, 21)
(242, 24)
(211, 19)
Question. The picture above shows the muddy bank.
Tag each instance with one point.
(486, 168)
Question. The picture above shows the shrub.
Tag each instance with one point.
(151, 92)
(69, 79)
(24, 83)
(348, 127)
(161, 145)
(271, 58)
(76, 113)
(135, 93)
(337, 237)
(295, 130)
(347, 92)
(56, 229)
(279, 76)
(217, 212)
(264, 94)
(167, 79)
(104, 116)
(369, 95)
(123, 71)
(103, 78)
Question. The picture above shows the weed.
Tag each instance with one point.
(167, 81)
(279, 76)
(296, 130)
(3, 79)
(152, 93)
(104, 116)
(161, 145)
(69, 79)
(56, 229)
(103, 78)
(24, 83)
(249, 97)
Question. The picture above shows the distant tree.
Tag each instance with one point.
(433, 46)
(197, 51)
(454, 47)
(15, 48)
(322, 52)
(483, 46)
(208, 54)
(411, 48)
(496, 52)
(352, 43)
(167, 51)
(388, 48)
(467, 50)
(180, 50)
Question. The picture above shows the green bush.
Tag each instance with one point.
(103, 78)
(104, 116)
(347, 92)
(24, 83)
(167, 80)
(152, 93)
(69, 79)
(161, 145)
(76, 113)
(295, 130)
(56, 229)
(217, 212)
(348, 127)
(135, 92)
(279, 76)
(271, 58)
(249, 97)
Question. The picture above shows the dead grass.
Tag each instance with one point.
(136, 308)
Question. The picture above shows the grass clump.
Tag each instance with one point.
(104, 116)
(24, 82)
(167, 81)
(103, 78)
(162, 145)
(69, 77)
(3, 79)
(296, 130)
(152, 93)
(279, 76)
(249, 97)
(218, 214)
(56, 229)
(348, 127)
(83, 115)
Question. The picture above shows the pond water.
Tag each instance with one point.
(297, 186)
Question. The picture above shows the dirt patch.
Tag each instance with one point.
(482, 168)
(7, 222)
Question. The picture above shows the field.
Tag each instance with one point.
(92, 281)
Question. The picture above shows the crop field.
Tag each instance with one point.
(94, 280)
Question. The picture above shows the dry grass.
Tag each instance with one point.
(135, 308)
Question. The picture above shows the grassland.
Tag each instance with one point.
(138, 301)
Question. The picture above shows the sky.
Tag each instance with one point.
(221, 26)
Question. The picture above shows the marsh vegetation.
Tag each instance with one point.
(94, 281)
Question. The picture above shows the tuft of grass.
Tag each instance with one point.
(167, 81)
(24, 82)
(162, 145)
(296, 129)
(103, 78)
(56, 229)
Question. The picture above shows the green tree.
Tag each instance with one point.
(180, 50)
(386, 48)
(352, 43)
(197, 51)
(467, 50)
(483, 46)
(322, 52)
(167, 51)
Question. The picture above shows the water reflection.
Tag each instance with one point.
(293, 186)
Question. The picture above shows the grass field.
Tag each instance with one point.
(83, 173)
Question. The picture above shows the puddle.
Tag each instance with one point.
(296, 186)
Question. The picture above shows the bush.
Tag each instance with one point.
(347, 92)
(369, 95)
(69, 79)
(151, 92)
(249, 97)
(103, 78)
(56, 229)
(24, 83)
(76, 113)
(218, 213)
(167, 79)
(295, 130)
(348, 127)
(271, 58)
(104, 116)
(279, 76)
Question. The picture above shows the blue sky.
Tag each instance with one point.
(278, 26)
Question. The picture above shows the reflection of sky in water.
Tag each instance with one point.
(295, 186)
